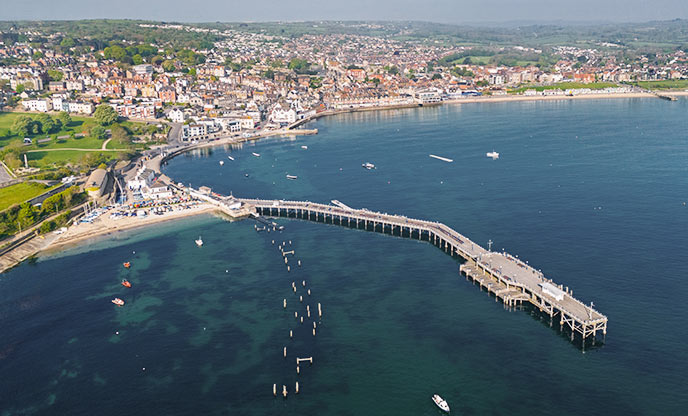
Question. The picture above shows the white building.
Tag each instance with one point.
(194, 132)
(42, 105)
(176, 115)
(282, 116)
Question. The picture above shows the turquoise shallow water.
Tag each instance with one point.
(590, 192)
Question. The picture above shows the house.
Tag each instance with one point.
(281, 116)
(194, 132)
(176, 115)
(156, 190)
(167, 95)
(56, 86)
(42, 105)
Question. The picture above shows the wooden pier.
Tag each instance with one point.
(501, 274)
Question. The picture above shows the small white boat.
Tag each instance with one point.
(443, 159)
(440, 402)
(118, 301)
(222, 162)
(368, 165)
(292, 177)
(230, 158)
(199, 242)
(304, 147)
(494, 155)
(256, 154)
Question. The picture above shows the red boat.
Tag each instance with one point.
(126, 283)
(118, 301)
(127, 264)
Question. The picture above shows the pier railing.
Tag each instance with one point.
(513, 280)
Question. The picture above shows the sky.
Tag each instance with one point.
(443, 11)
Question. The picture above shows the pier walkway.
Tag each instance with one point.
(501, 274)
(507, 277)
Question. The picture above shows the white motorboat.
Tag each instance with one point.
(230, 158)
(199, 242)
(255, 154)
(292, 177)
(368, 165)
(494, 155)
(222, 162)
(443, 159)
(304, 147)
(440, 402)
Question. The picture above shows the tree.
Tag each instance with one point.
(37, 55)
(67, 43)
(64, 118)
(98, 132)
(53, 203)
(436, 76)
(137, 59)
(157, 60)
(55, 75)
(26, 215)
(168, 65)
(20, 88)
(47, 123)
(22, 125)
(105, 114)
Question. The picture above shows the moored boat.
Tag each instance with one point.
(230, 158)
(199, 242)
(126, 283)
(222, 162)
(368, 165)
(440, 402)
(126, 264)
(292, 177)
(492, 154)
(304, 147)
(255, 154)
(118, 301)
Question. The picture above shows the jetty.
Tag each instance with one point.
(505, 276)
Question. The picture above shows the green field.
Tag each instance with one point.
(16, 194)
(565, 86)
(664, 85)
(79, 125)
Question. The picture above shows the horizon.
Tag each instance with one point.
(493, 12)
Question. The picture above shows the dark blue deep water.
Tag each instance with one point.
(592, 192)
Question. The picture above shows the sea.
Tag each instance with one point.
(592, 192)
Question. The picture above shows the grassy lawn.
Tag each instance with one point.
(16, 194)
(565, 86)
(663, 85)
(61, 157)
(79, 125)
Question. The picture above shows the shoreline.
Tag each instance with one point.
(103, 227)
(106, 227)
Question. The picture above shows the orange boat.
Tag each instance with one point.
(126, 283)
(118, 301)
(127, 264)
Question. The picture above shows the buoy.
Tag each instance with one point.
(302, 319)
(285, 352)
(274, 390)
(116, 332)
(297, 387)
(291, 334)
(301, 298)
(226, 271)
(303, 283)
(313, 331)
(144, 369)
(309, 292)
(285, 304)
(284, 391)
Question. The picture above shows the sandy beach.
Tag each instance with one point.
(105, 225)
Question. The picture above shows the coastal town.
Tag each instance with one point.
(225, 86)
